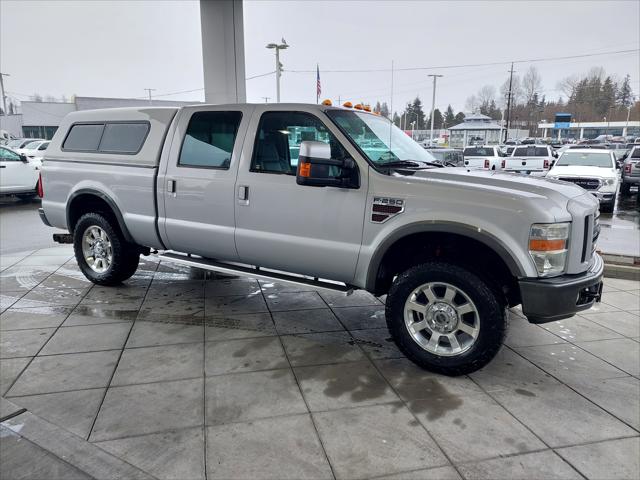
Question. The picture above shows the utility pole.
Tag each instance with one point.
(266, 99)
(4, 97)
(506, 134)
(433, 105)
(149, 90)
(277, 48)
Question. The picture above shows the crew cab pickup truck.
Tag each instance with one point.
(530, 159)
(485, 157)
(630, 170)
(333, 197)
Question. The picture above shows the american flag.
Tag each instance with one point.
(318, 86)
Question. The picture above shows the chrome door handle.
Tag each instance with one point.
(171, 186)
(243, 192)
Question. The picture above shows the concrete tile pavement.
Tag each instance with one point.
(184, 374)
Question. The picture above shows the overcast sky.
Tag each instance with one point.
(116, 49)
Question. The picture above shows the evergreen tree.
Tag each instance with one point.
(415, 114)
(449, 117)
(384, 109)
(396, 119)
(459, 118)
(377, 108)
(625, 93)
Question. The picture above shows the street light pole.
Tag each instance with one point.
(277, 48)
(433, 105)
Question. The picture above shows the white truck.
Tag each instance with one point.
(485, 157)
(332, 197)
(530, 159)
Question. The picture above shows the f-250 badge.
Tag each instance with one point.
(385, 207)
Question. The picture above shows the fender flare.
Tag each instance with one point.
(108, 201)
(486, 238)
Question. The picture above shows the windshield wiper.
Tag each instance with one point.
(402, 163)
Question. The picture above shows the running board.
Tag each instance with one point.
(255, 272)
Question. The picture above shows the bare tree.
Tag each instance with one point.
(531, 83)
(486, 95)
(472, 104)
(516, 92)
(568, 85)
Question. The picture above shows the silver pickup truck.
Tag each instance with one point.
(333, 197)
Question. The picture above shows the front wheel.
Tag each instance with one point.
(445, 318)
(102, 253)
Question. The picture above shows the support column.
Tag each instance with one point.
(223, 51)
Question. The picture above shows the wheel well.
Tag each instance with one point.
(89, 202)
(454, 248)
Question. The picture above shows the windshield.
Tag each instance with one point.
(31, 145)
(585, 159)
(14, 143)
(380, 140)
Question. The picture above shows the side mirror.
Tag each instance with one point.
(316, 168)
(23, 158)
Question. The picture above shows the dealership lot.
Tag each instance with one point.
(184, 374)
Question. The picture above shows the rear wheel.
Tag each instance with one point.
(102, 253)
(445, 318)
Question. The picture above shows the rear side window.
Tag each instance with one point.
(123, 137)
(209, 140)
(84, 137)
(110, 137)
(635, 153)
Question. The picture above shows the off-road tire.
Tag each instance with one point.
(125, 255)
(491, 312)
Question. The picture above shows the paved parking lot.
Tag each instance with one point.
(187, 375)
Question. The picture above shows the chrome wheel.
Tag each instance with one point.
(97, 249)
(442, 319)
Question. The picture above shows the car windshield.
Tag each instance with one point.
(585, 159)
(32, 145)
(14, 143)
(380, 140)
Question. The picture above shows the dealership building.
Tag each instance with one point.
(41, 119)
(590, 130)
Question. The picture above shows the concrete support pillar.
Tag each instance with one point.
(223, 51)
(581, 133)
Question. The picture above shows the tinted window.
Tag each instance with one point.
(209, 139)
(478, 151)
(123, 137)
(83, 137)
(541, 152)
(43, 146)
(635, 153)
(279, 137)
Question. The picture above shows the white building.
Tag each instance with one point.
(41, 119)
(479, 129)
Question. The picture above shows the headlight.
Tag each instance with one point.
(608, 181)
(548, 247)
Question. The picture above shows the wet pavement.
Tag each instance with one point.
(181, 374)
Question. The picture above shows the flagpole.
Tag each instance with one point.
(317, 83)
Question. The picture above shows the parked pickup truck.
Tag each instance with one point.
(485, 157)
(530, 159)
(339, 198)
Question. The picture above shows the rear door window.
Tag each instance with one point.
(209, 140)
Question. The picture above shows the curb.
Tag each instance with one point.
(625, 267)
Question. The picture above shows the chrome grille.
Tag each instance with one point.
(586, 183)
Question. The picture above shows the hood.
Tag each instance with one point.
(580, 171)
(502, 182)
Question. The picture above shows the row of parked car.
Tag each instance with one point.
(20, 161)
(594, 167)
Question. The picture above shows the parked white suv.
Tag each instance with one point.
(592, 169)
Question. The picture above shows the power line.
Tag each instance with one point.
(471, 65)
